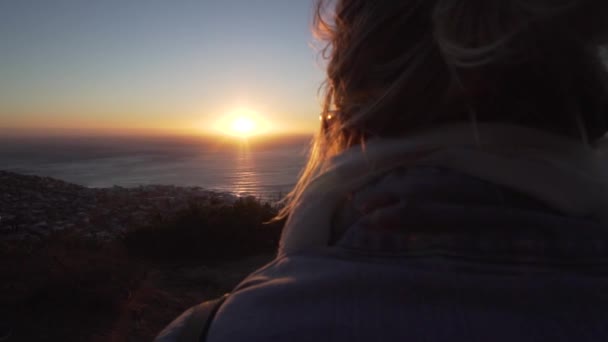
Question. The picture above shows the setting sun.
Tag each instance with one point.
(243, 126)
(242, 123)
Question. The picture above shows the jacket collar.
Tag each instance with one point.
(565, 174)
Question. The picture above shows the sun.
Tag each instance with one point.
(241, 123)
(243, 126)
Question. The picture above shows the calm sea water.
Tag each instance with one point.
(266, 169)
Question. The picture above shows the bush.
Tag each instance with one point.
(213, 232)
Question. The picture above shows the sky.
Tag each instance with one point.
(156, 66)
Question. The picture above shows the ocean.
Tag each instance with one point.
(262, 168)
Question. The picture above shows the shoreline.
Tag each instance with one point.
(34, 207)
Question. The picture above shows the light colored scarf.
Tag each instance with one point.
(565, 174)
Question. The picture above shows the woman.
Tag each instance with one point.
(455, 191)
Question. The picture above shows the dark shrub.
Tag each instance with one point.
(64, 279)
(213, 232)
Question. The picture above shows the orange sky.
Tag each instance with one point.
(267, 123)
(140, 67)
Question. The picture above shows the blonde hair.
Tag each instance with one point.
(399, 66)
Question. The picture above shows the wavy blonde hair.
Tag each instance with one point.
(399, 66)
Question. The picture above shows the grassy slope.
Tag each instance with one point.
(70, 289)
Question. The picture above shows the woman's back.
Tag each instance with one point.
(427, 253)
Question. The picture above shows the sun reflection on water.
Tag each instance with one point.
(246, 179)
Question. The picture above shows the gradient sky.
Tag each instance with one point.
(155, 66)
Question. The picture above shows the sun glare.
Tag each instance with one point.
(243, 126)
(241, 123)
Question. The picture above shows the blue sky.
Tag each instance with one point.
(155, 65)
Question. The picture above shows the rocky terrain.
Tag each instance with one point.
(33, 207)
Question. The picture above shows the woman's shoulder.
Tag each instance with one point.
(404, 196)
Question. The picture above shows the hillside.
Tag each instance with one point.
(118, 264)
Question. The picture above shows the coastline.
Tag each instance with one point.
(33, 207)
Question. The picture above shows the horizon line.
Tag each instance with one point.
(7, 132)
